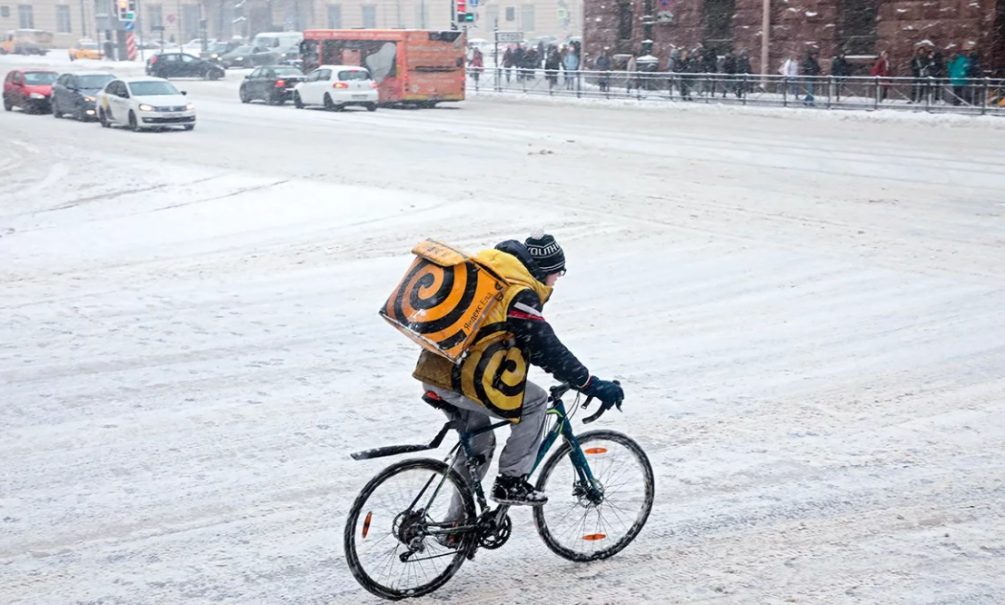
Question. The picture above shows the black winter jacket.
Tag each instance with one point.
(534, 335)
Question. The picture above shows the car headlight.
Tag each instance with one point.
(190, 106)
(145, 107)
(88, 99)
(36, 95)
(238, 58)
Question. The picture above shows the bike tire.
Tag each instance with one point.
(358, 569)
(568, 513)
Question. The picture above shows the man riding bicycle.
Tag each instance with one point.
(491, 380)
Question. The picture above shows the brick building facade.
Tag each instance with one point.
(862, 27)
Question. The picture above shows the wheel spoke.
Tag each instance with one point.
(596, 530)
(389, 500)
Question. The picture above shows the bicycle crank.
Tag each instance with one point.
(493, 530)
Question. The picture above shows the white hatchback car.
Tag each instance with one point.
(337, 86)
(142, 103)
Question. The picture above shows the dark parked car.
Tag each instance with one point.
(183, 65)
(273, 84)
(249, 56)
(74, 93)
(31, 90)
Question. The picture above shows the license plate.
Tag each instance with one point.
(172, 115)
(359, 97)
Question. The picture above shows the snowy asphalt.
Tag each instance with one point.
(805, 311)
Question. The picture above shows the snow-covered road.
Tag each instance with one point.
(806, 311)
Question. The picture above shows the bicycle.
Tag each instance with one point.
(400, 542)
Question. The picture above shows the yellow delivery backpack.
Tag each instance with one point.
(443, 299)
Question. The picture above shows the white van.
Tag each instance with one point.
(280, 42)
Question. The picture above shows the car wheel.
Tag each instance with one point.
(243, 93)
(55, 111)
(6, 104)
(297, 101)
(329, 104)
(79, 115)
(189, 126)
(215, 74)
(102, 119)
(133, 124)
(371, 107)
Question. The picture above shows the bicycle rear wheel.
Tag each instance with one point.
(580, 529)
(394, 536)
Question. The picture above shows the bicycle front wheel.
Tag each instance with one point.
(397, 537)
(577, 523)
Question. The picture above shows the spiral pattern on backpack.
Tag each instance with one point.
(435, 301)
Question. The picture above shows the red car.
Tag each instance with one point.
(31, 90)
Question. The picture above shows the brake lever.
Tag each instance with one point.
(599, 413)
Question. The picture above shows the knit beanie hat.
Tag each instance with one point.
(546, 251)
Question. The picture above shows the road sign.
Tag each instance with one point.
(509, 36)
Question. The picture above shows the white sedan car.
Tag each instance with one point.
(142, 103)
(335, 87)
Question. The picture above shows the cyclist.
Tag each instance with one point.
(491, 381)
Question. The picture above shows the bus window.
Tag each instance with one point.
(379, 56)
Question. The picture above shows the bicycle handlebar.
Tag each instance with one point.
(561, 389)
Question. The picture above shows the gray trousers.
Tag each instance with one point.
(519, 453)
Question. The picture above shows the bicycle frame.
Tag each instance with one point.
(562, 427)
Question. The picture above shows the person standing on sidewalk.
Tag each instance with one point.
(810, 69)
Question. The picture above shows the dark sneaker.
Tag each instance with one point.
(517, 492)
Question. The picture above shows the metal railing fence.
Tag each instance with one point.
(937, 95)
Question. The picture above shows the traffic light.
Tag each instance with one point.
(126, 10)
(463, 16)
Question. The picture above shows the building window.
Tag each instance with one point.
(369, 16)
(334, 16)
(154, 16)
(421, 14)
(63, 19)
(189, 22)
(527, 17)
(510, 13)
(25, 17)
(4, 11)
(625, 19)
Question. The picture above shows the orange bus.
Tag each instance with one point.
(411, 67)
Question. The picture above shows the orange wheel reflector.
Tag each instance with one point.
(366, 523)
(594, 537)
(595, 450)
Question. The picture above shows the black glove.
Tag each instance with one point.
(608, 392)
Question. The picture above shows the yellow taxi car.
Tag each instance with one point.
(85, 49)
